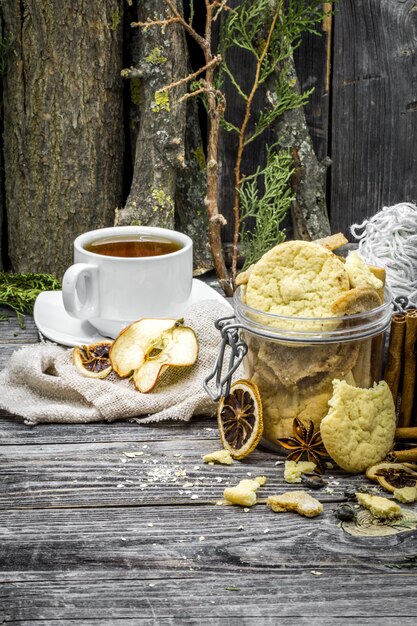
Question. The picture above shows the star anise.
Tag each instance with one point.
(305, 441)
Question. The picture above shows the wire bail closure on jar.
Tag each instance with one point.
(229, 330)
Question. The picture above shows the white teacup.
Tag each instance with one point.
(113, 291)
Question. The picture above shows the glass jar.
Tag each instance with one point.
(293, 360)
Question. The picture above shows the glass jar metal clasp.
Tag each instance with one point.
(229, 330)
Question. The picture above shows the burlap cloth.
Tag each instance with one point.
(40, 383)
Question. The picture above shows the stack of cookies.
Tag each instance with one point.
(302, 295)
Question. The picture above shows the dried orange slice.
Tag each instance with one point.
(93, 360)
(392, 476)
(239, 418)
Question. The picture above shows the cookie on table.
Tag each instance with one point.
(359, 429)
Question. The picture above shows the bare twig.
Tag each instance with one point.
(242, 132)
(148, 23)
(215, 61)
(190, 30)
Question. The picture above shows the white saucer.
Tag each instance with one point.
(55, 324)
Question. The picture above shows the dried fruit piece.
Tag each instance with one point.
(93, 361)
(146, 348)
(239, 417)
(176, 347)
(392, 476)
(131, 345)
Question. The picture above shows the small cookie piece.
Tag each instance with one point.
(293, 470)
(244, 494)
(407, 495)
(360, 275)
(299, 501)
(357, 300)
(243, 277)
(379, 507)
(358, 431)
(333, 242)
(297, 278)
(220, 456)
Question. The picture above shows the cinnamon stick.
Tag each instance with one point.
(409, 433)
(409, 368)
(392, 371)
(404, 456)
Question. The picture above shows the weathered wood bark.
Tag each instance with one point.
(162, 60)
(374, 108)
(190, 210)
(169, 185)
(63, 138)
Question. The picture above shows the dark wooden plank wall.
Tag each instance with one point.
(374, 108)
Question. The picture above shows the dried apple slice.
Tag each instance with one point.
(176, 347)
(132, 344)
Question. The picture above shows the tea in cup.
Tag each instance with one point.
(124, 273)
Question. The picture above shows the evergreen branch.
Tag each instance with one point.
(269, 209)
(288, 100)
(229, 126)
(19, 291)
(233, 80)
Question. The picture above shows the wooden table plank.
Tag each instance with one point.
(159, 542)
(167, 471)
(14, 432)
(214, 599)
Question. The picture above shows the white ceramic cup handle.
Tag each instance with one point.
(80, 291)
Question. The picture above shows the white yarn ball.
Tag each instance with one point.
(389, 240)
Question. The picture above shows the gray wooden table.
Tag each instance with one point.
(89, 535)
